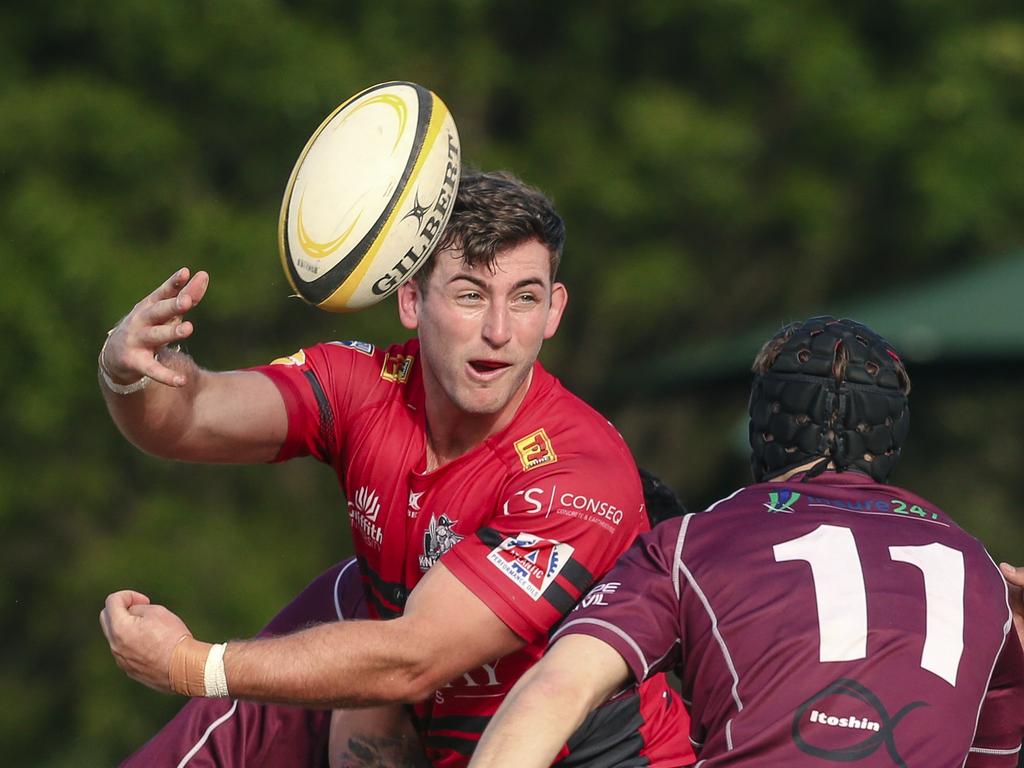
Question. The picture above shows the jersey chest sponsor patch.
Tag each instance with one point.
(531, 563)
(535, 450)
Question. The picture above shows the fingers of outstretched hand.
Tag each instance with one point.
(170, 287)
(157, 320)
(179, 288)
(1013, 575)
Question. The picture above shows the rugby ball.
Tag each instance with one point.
(369, 196)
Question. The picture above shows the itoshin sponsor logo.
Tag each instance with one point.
(363, 509)
(848, 721)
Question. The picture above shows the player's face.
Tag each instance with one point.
(480, 331)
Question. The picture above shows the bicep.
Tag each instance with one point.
(238, 417)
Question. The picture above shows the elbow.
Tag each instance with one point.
(419, 680)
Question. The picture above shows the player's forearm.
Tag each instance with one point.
(337, 665)
(536, 719)
(550, 702)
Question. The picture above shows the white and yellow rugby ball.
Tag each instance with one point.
(369, 196)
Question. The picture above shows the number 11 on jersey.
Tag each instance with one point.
(841, 597)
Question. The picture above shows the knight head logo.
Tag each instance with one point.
(438, 539)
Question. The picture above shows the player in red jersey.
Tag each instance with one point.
(817, 617)
(484, 500)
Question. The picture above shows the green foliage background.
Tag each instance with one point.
(720, 164)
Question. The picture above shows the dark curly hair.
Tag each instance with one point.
(494, 211)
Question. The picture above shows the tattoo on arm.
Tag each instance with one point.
(382, 752)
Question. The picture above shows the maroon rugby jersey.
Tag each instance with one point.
(527, 521)
(820, 622)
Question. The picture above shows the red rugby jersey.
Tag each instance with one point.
(527, 521)
(821, 622)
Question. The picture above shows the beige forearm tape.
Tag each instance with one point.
(197, 668)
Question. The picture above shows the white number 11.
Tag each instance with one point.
(841, 598)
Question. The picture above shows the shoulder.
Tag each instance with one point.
(339, 360)
(562, 422)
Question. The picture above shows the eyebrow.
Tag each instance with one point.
(480, 283)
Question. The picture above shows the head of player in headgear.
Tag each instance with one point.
(660, 500)
(828, 389)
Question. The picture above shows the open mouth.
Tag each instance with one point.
(487, 366)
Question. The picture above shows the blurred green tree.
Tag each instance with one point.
(718, 164)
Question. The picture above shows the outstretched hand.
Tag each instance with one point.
(131, 349)
(1015, 580)
(142, 637)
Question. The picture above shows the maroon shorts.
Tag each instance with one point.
(228, 733)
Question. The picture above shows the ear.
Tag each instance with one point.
(410, 298)
(559, 298)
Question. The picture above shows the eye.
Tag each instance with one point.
(526, 298)
(468, 297)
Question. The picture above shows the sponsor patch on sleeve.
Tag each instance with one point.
(531, 563)
(359, 346)
(535, 450)
(299, 358)
(396, 368)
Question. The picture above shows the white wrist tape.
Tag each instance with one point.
(113, 386)
(214, 679)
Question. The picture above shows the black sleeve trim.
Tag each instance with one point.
(326, 414)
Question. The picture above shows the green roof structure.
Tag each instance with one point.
(975, 315)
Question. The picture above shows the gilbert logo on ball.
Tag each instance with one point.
(369, 196)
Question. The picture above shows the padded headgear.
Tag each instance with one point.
(799, 411)
(660, 500)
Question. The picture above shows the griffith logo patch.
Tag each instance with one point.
(535, 450)
(396, 368)
(363, 509)
(299, 358)
(531, 563)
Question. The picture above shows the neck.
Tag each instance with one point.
(797, 470)
(452, 432)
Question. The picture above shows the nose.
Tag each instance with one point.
(497, 329)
